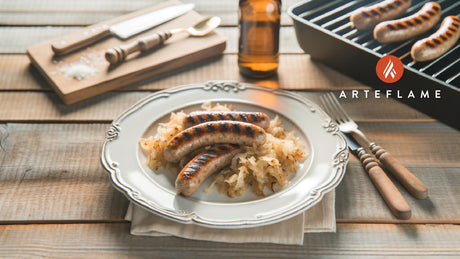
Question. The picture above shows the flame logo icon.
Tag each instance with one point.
(389, 70)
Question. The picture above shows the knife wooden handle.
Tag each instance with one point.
(76, 41)
(404, 176)
(393, 198)
(118, 54)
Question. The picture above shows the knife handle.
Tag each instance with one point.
(118, 54)
(404, 176)
(393, 198)
(76, 41)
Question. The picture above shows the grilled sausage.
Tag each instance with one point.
(439, 42)
(258, 118)
(408, 27)
(214, 132)
(203, 165)
(367, 17)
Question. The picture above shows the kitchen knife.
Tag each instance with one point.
(393, 198)
(123, 29)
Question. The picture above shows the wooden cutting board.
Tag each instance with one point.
(178, 51)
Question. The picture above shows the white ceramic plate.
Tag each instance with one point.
(319, 173)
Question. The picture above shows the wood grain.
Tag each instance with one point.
(52, 172)
(113, 240)
(90, 12)
(55, 173)
(411, 142)
(17, 39)
(357, 200)
(115, 5)
(83, 18)
(15, 107)
(17, 74)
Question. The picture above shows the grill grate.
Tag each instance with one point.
(334, 17)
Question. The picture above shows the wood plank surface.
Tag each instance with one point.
(112, 5)
(428, 144)
(113, 240)
(16, 107)
(57, 200)
(84, 13)
(84, 18)
(52, 172)
(357, 199)
(17, 39)
(17, 73)
(53, 163)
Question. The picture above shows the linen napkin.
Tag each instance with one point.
(320, 218)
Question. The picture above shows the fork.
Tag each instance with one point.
(347, 125)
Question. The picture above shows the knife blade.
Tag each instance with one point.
(123, 30)
(390, 194)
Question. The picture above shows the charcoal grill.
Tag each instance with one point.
(324, 30)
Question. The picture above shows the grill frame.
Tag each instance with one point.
(359, 62)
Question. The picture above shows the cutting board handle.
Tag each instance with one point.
(118, 54)
(77, 41)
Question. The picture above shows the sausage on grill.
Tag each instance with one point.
(367, 17)
(439, 42)
(408, 27)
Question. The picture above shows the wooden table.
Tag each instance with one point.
(56, 199)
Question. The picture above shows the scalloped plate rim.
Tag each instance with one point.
(340, 159)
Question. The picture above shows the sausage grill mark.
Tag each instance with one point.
(215, 132)
(223, 127)
(198, 162)
(379, 10)
(187, 136)
(203, 165)
(211, 128)
(236, 128)
(249, 131)
(369, 16)
(258, 118)
(410, 26)
(196, 131)
(442, 37)
(190, 119)
(439, 42)
(232, 116)
(411, 21)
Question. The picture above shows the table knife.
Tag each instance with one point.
(393, 198)
(123, 29)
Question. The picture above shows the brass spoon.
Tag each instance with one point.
(118, 54)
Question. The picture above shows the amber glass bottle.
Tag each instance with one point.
(259, 37)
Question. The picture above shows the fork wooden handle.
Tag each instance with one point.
(404, 176)
(117, 54)
(393, 198)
